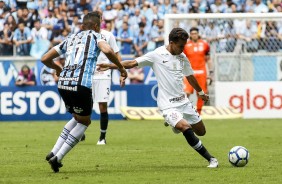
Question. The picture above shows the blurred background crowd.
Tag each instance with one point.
(30, 28)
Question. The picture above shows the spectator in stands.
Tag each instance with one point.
(40, 42)
(248, 34)
(49, 22)
(58, 35)
(81, 6)
(164, 7)
(125, 37)
(109, 13)
(147, 12)
(147, 27)
(183, 6)
(231, 7)
(118, 8)
(218, 7)
(25, 17)
(33, 13)
(39, 32)
(211, 33)
(271, 32)
(130, 7)
(157, 33)
(280, 38)
(12, 4)
(134, 21)
(64, 22)
(22, 39)
(17, 15)
(156, 15)
(21, 3)
(231, 36)
(6, 46)
(75, 26)
(2, 6)
(259, 7)
(25, 77)
(12, 23)
(141, 41)
(136, 75)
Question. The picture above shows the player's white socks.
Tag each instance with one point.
(73, 138)
(64, 135)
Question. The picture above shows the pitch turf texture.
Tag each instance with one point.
(141, 152)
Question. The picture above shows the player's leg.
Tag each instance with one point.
(104, 120)
(74, 136)
(175, 118)
(81, 108)
(101, 88)
(62, 138)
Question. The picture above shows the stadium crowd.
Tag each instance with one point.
(31, 27)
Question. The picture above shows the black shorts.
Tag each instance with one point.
(79, 102)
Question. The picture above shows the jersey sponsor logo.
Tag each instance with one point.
(165, 61)
(68, 79)
(177, 99)
(69, 88)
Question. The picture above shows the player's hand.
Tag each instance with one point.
(205, 97)
(102, 67)
(123, 76)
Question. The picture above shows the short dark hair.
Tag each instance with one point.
(91, 19)
(194, 29)
(177, 34)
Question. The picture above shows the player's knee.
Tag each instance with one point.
(182, 126)
(201, 132)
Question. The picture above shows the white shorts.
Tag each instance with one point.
(187, 111)
(101, 90)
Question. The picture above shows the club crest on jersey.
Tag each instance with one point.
(174, 116)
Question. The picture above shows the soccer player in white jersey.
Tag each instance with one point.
(101, 86)
(170, 64)
(75, 82)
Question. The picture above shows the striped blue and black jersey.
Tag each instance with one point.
(81, 52)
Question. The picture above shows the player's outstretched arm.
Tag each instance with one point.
(108, 51)
(194, 83)
(126, 64)
(47, 59)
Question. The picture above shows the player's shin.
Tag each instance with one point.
(104, 120)
(73, 138)
(64, 135)
(195, 143)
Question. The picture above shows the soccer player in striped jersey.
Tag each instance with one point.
(170, 65)
(75, 81)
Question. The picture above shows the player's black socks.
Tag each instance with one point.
(104, 119)
(195, 143)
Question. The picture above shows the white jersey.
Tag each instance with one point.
(102, 58)
(169, 70)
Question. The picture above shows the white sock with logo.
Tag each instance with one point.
(64, 135)
(73, 138)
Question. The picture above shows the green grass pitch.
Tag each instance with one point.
(141, 152)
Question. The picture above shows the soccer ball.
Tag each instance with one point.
(238, 156)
